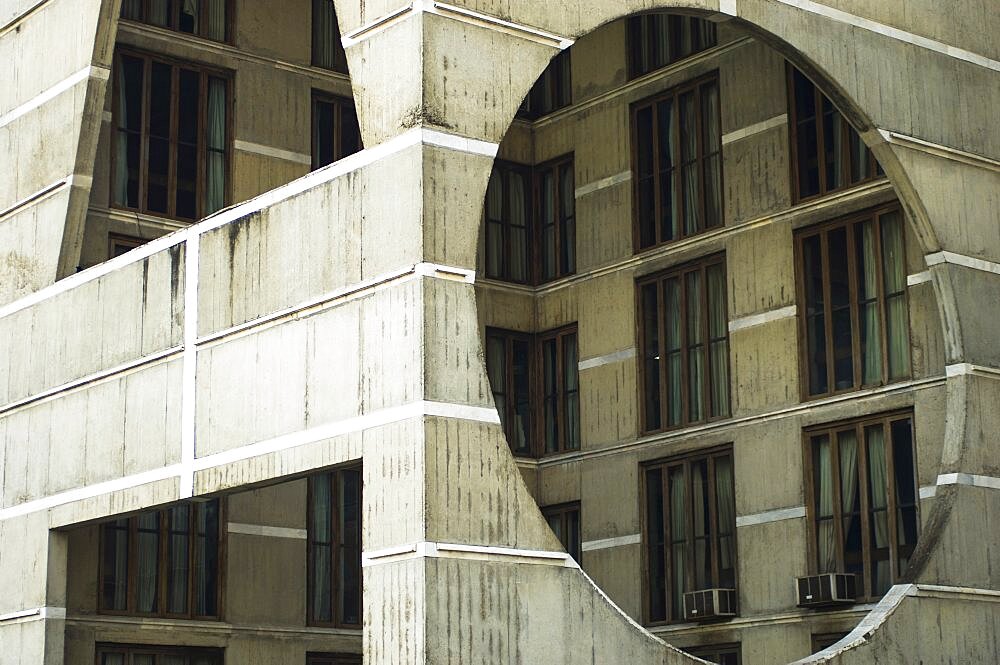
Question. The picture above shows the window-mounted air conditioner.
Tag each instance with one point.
(709, 604)
(827, 590)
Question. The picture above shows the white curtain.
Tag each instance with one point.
(871, 338)
(826, 541)
(878, 498)
(216, 138)
(661, 38)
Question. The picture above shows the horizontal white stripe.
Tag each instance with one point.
(461, 143)
(940, 150)
(928, 491)
(91, 491)
(268, 151)
(47, 612)
(894, 33)
(617, 356)
(267, 531)
(764, 317)
(603, 183)
(962, 369)
(40, 194)
(426, 549)
(771, 516)
(90, 71)
(348, 426)
(756, 128)
(92, 378)
(938, 258)
(607, 543)
(969, 479)
(918, 278)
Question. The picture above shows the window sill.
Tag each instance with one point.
(204, 627)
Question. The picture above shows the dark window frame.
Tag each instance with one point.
(129, 651)
(642, 27)
(162, 577)
(702, 157)
(715, 650)
(821, 641)
(124, 242)
(847, 130)
(504, 226)
(339, 104)
(684, 460)
(859, 425)
(534, 432)
(822, 230)
(335, 547)
(205, 72)
(563, 512)
(680, 272)
(339, 64)
(175, 20)
(558, 78)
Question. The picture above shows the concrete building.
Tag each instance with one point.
(639, 332)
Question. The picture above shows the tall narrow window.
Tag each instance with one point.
(508, 363)
(827, 152)
(334, 543)
(163, 563)
(690, 530)
(852, 283)
(120, 244)
(656, 40)
(685, 345)
(114, 654)
(555, 194)
(551, 92)
(864, 500)
(327, 49)
(560, 390)
(171, 145)
(564, 520)
(507, 213)
(677, 153)
(335, 129)
(204, 18)
(726, 654)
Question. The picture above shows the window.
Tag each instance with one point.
(823, 640)
(690, 530)
(863, 510)
(522, 366)
(685, 345)
(728, 654)
(119, 244)
(335, 548)
(827, 152)
(854, 320)
(676, 147)
(335, 129)
(531, 222)
(204, 18)
(333, 659)
(115, 654)
(564, 520)
(656, 40)
(171, 139)
(551, 92)
(327, 49)
(163, 563)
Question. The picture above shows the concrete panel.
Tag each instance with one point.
(755, 177)
(767, 573)
(617, 571)
(762, 379)
(609, 405)
(30, 238)
(760, 266)
(759, 449)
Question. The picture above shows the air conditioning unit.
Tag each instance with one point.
(827, 590)
(709, 604)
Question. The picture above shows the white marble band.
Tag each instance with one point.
(795, 512)
(608, 359)
(427, 549)
(608, 543)
(35, 613)
(764, 317)
(267, 531)
(68, 83)
(603, 183)
(275, 153)
(939, 258)
(756, 128)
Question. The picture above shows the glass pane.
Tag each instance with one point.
(350, 559)
(521, 429)
(114, 565)
(894, 276)
(215, 184)
(206, 559)
(656, 553)
(547, 220)
(869, 322)
(160, 12)
(696, 349)
(215, 19)
(550, 387)
(350, 132)
(701, 515)
(667, 150)
(567, 233)
(672, 324)
(878, 502)
(726, 520)
(190, 10)
(147, 562)
(573, 534)
(826, 545)
(518, 192)
(571, 385)
(678, 539)
(178, 551)
(651, 357)
(812, 276)
(840, 297)
(833, 149)
(645, 177)
(112, 659)
(321, 535)
(850, 501)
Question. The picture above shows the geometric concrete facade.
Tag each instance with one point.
(338, 316)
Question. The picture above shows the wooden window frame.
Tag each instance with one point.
(128, 651)
(339, 53)
(339, 103)
(710, 650)
(562, 511)
(316, 658)
(800, 236)
(553, 78)
(335, 540)
(205, 72)
(162, 573)
(659, 278)
(874, 168)
(664, 465)
(702, 153)
(202, 20)
(644, 24)
(859, 424)
(535, 434)
(821, 641)
(126, 242)
(505, 169)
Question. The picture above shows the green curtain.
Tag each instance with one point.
(547, 208)
(216, 142)
(725, 500)
(672, 326)
(894, 276)
(121, 143)
(871, 337)
(159, 13)
(826, 540)
(567, 205)
(571, 386)
(320, 534)
(718, 326)
(324, 34)
(518, 227)
(147, 560)
(678, 539)
(878, 505)
(696, 347)
(178, 543)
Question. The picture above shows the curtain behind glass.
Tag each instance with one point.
(159, 13)
(689, 168)
(700, 513)
(518, 228)
(672, 326)
(215, 186)
(547, 221)
(132, 9)
(894, 277)
(656, 545)
(322, 559)
(678, 539)
(712, 145)
(121, 142)
(178, 549)
(571, 386)
(847, 445)
(215, 27)
(878, 506)
(323, 34)
(147, 562)
(726, 516)
(206, 558)
(717, 329)
(696, 347)
(871, 337)
(567, 207)
(494, 227)
(826, 540)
